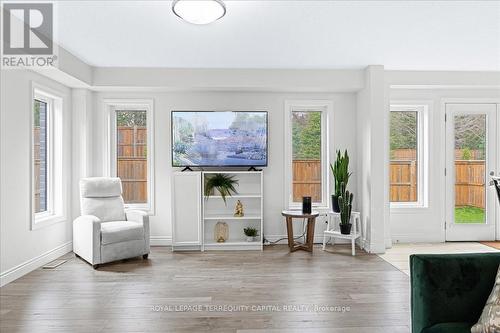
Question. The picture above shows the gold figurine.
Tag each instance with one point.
(238, 212)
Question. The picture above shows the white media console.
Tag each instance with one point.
(194, 216)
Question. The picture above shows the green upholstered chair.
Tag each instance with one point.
(449, 291)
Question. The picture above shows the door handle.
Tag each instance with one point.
(492, 173)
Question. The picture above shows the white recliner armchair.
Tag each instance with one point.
(105, 231)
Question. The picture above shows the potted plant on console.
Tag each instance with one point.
(224, 184)
(341, 174)
(345, 205)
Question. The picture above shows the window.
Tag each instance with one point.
(40, 160)
(306, 142)
(408, 137)
(131, 151)
(131, 154)
(48, 174)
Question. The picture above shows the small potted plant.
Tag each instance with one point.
(341, 174)
(224, 184)
(251, 233)
(345, 205)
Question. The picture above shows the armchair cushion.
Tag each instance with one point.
(121, 231)
(106, 209)
(100, 187)
(450, 288)
(101, 197)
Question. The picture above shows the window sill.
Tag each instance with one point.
(320, 209)
(46, 220)
(405, 209)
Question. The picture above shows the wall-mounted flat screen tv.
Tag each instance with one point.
(219, 138)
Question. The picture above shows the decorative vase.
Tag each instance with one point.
(335, 203)
(345, 229)
(250, 238)
(221, 232)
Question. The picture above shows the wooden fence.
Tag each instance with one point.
(411, 154)
(469, 182)
(403, 180)
(132, 163)
(469, 185)
(306, 180)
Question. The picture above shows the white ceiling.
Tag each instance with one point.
(409, 35)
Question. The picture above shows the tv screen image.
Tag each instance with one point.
(219, 138)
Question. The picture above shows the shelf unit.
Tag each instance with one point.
(235, 196)
(250, 193)
(186, 211)
(231, 217)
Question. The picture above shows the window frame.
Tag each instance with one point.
(56, 209)
(326, 108)
(147, 105)
(422, 110)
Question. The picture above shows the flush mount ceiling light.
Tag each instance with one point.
(199, 11)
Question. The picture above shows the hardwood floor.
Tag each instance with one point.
(269, 291)
(399, 254)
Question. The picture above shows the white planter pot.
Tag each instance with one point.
(250, 239)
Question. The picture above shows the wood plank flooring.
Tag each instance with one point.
(269, 291)
(495, 245)
(399, 254)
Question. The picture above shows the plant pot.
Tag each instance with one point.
(335, 203)
(345, 229)
(250, 239)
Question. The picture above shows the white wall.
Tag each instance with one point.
(81, 155)
(427, 224)
(342, 132)
(23, 249)
(372, 129)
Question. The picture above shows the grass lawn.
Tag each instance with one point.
(469, 214)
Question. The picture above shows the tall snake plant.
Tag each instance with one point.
(340, 171)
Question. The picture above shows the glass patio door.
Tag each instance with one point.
(471, 156)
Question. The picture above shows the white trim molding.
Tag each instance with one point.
(58, 162)
(112, 105)
(160, 240)
(423, 109)
(34, 263)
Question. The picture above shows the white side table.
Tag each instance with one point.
(333, 229)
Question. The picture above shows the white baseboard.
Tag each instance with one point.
(160, 240)
(416, 238)
(365, 244)
(388, 243)
(34, 263)
(376, 249)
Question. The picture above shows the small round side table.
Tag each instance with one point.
(311, 221)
